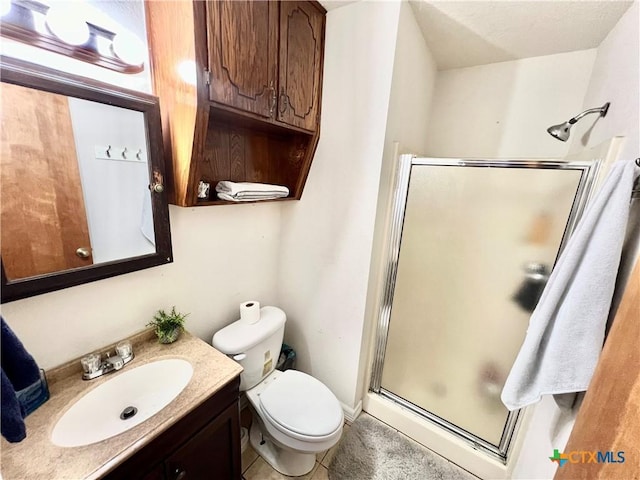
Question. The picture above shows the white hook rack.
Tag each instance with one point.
(122, 153)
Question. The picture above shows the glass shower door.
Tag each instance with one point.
(473, 249)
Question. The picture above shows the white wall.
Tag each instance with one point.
(502, 110)
(222, 257)
(414, 77)
(326, 238)
(615, 79)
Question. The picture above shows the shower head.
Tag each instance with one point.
(561, 131)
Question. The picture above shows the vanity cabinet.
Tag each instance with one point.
(209, 454)
(239, 84)
(156, 474)
(203, 444)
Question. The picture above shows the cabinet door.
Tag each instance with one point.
(301, 41)
(242, 48)
(213, 453)
(155, 474)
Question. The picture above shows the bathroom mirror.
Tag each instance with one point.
(82, 181)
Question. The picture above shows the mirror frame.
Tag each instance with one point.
(34, 76)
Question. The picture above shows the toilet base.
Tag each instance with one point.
(287, 462)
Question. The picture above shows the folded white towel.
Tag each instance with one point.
(566, 330)
(248, 198)
(248, 189)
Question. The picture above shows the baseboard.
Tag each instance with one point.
(350, 414)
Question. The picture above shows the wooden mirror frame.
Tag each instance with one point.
(35, 76)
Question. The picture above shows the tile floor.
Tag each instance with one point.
(255, 468)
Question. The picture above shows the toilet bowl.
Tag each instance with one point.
(295, 416)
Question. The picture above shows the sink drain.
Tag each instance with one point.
(128, 413)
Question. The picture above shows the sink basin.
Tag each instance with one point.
(103, 412)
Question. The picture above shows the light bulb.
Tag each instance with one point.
(128, 48)
(67, 25)
(5, 7)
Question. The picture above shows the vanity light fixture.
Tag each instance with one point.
(73, 29)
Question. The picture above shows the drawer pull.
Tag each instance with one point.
(180, 474)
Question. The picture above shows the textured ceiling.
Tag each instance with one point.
(467, 33)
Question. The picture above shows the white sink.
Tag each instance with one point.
(96, 416)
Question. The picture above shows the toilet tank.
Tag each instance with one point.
(255, 346)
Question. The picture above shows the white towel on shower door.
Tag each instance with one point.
(566, 330)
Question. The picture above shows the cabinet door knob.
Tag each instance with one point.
(83, 252)
(180, 473)
(157, 188)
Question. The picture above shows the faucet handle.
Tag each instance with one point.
(91, 363)
(124, 350)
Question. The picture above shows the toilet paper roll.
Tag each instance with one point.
(250, 312)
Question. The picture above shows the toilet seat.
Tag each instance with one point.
(301, 406)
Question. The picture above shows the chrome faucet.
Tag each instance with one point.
(94, 366)
(116, 362)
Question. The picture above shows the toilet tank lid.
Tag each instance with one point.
(240, 336)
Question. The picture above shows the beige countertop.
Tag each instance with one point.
(36, 457)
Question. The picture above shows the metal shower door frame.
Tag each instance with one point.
(589, 171)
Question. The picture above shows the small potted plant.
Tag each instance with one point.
(168, 326)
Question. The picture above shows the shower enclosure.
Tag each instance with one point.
(471, 245)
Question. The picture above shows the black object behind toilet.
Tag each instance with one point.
(287, 358)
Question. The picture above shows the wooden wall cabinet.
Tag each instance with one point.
(204, 444)
(243, 54)
(240, 90)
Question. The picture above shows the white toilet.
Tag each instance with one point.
(295, 415)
